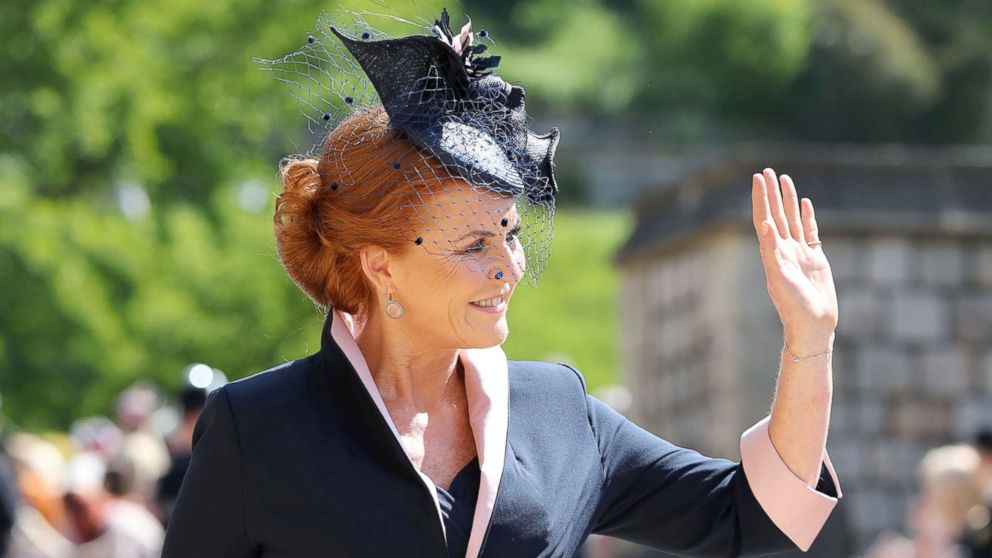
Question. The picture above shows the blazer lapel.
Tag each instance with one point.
(487, 387)
(343, 334)
(488, 393)
(355, 412)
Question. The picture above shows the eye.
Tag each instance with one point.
(513, 234)
(475, 248)
(480, 244)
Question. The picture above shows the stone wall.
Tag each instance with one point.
(914, 362)
(679, 346)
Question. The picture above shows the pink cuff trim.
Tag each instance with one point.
(796, 509)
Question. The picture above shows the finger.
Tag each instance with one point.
(791, 201)
(768, 247)
(775, 203)
(809, 223)
(759, 202)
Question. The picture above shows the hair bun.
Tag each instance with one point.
(296, 222)
(299, 175)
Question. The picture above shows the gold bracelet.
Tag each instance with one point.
(801, 359)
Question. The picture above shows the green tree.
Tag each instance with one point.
(721, 57)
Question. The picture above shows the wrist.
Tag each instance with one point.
(806, 343)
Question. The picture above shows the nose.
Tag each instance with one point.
(509, 264)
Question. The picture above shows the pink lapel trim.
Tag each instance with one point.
(343, 332)
(487, 388)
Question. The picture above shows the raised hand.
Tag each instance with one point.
(797, 272)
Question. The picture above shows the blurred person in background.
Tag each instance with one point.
(8, 499)
(180, 444)
(68, 508)
(42, 525)
(97, 434)
(978, 536)
(143, 456)
(101, 437)
(949, 494)
(104, 525)
(8, 491)
(983, 444)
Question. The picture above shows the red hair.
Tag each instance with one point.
(324, 216)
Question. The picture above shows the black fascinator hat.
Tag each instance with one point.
(440, 91)
(447, 100)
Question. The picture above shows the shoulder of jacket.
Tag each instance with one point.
(545, 375)
(274, 384)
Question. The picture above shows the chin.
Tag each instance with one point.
(501, 336)
(495, 335)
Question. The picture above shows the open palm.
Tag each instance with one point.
(798, 274)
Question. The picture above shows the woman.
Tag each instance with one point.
(409, 433)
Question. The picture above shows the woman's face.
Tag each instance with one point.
(447, 285)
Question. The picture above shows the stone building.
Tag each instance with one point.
(908, 232)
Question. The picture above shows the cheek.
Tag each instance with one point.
(470, 274)
(453, 280)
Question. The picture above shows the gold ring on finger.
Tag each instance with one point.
(814, 243)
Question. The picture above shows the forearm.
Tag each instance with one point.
(800, 416)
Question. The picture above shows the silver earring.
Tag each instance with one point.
(393, 309)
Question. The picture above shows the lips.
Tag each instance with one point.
(495, 304)
(490, 302)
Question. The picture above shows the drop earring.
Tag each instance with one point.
(393, 309)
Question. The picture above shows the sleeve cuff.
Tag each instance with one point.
(796, 509)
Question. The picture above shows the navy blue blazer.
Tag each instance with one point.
(299, 461)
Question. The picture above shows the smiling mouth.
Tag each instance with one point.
(490, 302)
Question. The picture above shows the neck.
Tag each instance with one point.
(405, 368)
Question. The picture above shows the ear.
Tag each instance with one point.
(376, 264)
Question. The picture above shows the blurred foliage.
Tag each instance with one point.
(137, 138)
(562, 68)
(93, 301)
(724, 56)
(164, 93)
(160, 92)
(872, 68)
(897, 71)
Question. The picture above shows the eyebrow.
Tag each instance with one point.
(486, 234)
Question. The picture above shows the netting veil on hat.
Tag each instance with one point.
(440, 92)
